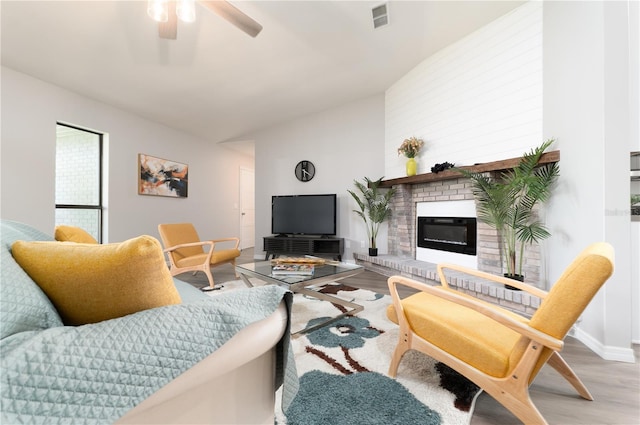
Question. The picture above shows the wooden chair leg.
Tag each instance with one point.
(233, 263)
(518, 404)
(210, 278)
(559, 364)
(401, 349)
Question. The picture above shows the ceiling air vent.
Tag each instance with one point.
(380, 16)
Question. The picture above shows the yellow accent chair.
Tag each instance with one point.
(187, 252)
(500, 351)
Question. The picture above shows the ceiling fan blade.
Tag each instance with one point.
(232, 14)
(169, 29)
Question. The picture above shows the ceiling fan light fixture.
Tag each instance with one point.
(158, 10)
(186, 10)
(168, 12)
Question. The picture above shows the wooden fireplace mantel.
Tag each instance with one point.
(504, 164)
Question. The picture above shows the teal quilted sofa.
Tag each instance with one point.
(204, 360)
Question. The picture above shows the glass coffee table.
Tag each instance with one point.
(323, 274)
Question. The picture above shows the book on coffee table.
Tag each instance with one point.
(292, 269)
(316, 261)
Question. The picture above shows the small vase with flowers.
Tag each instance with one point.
(411, 148)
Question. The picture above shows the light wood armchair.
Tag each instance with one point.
(187, 252)
(500, 351)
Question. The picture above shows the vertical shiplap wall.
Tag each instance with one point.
(477, 100)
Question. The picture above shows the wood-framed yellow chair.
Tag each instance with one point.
(187, 252)
(500, 351)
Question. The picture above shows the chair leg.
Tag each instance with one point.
(233, 263)
(559, 364)
(211, 286)
(398, 353)
(520, 405)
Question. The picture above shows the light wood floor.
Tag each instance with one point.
(615, 386)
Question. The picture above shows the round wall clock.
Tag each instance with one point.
(305, 170)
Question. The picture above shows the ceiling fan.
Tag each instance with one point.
(167, 13)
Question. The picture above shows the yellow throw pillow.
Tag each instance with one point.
(73, 234)
(89, 283)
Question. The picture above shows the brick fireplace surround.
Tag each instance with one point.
(450, 186)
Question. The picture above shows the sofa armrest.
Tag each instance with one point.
(101, 371)
(203, 394)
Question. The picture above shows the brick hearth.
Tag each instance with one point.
(391, 265)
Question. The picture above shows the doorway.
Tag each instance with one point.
(247, 208)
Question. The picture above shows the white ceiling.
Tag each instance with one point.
(215, 81)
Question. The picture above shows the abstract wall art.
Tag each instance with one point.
(161, 177)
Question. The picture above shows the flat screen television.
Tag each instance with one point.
(303, 215)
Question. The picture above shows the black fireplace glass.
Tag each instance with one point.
(453, 234)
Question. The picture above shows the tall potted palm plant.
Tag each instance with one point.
(507, 204)
(373, 206)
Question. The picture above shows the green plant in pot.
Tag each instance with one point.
(507, 204)
(374, 207)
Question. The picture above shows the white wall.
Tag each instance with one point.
(587, 84)
(344, 144)
(477, 100)
(634, 114)
(30, 110)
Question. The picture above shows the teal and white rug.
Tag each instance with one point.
(343, 370)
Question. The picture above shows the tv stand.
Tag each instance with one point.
(304, 245)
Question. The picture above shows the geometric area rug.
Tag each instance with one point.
(343, 367)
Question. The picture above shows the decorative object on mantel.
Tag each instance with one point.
(374, 208)
(507, 203)
(411, 167)
(411, 148)
(441, 167)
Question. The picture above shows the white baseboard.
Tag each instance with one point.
(617, 354)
